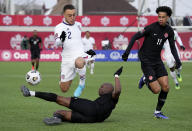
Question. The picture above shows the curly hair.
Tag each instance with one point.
(164, 9)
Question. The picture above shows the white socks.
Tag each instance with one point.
(32, 93)
(92, 67)
(82, 75)
(174, 76)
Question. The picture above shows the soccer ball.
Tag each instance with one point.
(33, 77)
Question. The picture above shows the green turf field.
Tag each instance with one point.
(133, 112)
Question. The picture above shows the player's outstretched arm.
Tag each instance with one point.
(133, 39)
(117, 89)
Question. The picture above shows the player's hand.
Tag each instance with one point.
(91, 53)
(63, 36)
(125, 56)
(119, 71)
(178, 65)
(182, 47)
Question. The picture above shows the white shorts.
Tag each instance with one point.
(68, 71)
(170, 60)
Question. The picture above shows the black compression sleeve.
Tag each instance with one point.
(133, 39)
(173, 50)
(46, 96)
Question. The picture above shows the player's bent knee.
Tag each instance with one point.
(165, 88)
(79, 62)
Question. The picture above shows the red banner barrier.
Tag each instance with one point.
(12, 40)
(40, 20)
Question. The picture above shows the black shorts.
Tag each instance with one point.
(153, 71)
(83, 110)
(35, 54)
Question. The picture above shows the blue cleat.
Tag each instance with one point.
(160, 116)
(141, 82)
(78, 91)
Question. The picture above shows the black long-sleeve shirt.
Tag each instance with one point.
(154, 37)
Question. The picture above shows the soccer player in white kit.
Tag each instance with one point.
(68, 35)
(175, 74)
(89, 44)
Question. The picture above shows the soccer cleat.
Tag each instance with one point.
(52, 121)
(78, 91)
(25, 91)
(160, 116)
(179, 77)
(177, 86)
(141, 82)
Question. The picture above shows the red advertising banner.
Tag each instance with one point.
(119, 41)
(105, 21)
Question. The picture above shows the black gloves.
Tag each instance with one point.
(182, 47)
(118, 72)
(178, 65)
(91, 53)
(125, 56)
(63, 36)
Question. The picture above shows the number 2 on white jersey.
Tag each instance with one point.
(69, 35)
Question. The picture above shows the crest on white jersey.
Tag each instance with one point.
(7, 20)
(86, 21)
(49, 42)
(124, 20)
(120, 42)
(47, 21)
(27, 20)
(15, 41)
(105, 21)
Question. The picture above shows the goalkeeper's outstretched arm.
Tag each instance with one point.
(117, 89)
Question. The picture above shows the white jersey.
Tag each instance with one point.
(72, 46)
(167, 46)
(88, 43)
(167, 54)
